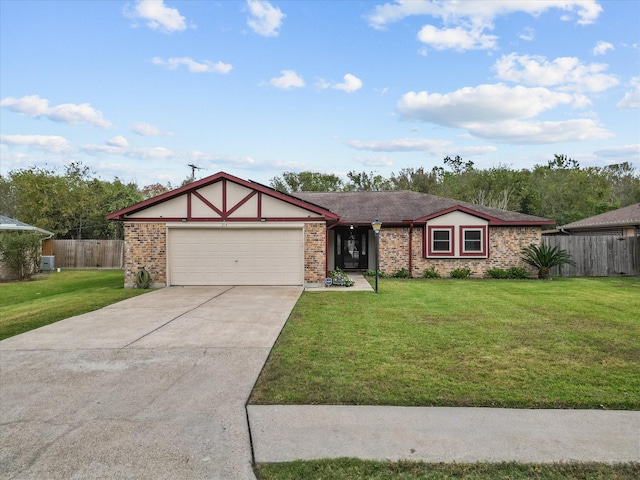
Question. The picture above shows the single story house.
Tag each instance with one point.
(223, 230)
(8, 224)
(623, 222)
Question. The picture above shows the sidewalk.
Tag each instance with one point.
(443, 434)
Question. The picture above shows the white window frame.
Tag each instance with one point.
(432, 229)
(483, 252)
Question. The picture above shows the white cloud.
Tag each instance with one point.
(567, 73)
(515, 131)
(495, 112)
(619, 151)
(118, 141)
(194, 67)
(71, 113)
(478, 12)
(148, 130)
(377, 161)
(265, 19)
(476, 151)
(117, 147)
(401, 145)
(484, 103)
(48, 143)
(602, 47)
(433, 147)
(288, 79)
(527, 34)
(457, 38)
(632, 98)
(466, 21)
(351, 84)
(157, 15)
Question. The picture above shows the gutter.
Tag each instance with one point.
(12, 227)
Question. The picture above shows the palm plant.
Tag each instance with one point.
(544, 258)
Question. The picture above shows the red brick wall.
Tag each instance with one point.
(145, 246)
(505, 245)
(314, 252)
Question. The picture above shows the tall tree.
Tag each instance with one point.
(415, 179)
(291, 182)
(363, 181)
(72, 205)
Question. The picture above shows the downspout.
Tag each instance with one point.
(411, 249)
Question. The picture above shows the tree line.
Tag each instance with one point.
(561, 190)
(74, 203)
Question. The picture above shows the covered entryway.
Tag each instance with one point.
(352, 248)
(236, 256)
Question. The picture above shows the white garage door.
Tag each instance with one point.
(228, 256)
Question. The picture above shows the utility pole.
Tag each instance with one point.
(193, 171)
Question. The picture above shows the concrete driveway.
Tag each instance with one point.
(152, 387)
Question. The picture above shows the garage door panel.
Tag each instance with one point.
(260, 256)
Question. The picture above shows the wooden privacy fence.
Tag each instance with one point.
(85, 253)
(597, 255)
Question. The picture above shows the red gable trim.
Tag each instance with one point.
(491, 219)
(220, 176)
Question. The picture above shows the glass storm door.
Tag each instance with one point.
(352, 248)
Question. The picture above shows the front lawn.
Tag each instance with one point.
(565, 343)
(55, 296)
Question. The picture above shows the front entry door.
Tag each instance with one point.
(352, 248)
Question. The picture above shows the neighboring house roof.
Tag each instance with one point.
(626, 216)
(394, 207)
(11, 224)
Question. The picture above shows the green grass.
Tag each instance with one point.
(353, 469)
(52, 297)
(566, 343)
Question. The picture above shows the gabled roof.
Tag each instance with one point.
(395, 207)
(621, 217)
(11, 224)
(218, 177)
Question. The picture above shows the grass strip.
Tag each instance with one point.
(354, 469)
(52, 297)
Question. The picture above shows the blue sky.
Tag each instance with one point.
(141, 89)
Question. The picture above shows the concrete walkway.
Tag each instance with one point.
(152, 387)
(442, 434)
(361, 285)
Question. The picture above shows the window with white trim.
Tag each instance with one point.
(441, 241)
(473, 241)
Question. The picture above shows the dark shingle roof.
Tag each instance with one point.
(629, 215)
(396, 206)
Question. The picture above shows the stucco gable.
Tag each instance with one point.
(222, 197)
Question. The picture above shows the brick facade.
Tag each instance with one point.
(314, 253)
(145, 246)
(394, 249)
(505, 245)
